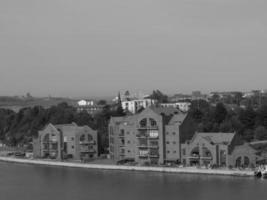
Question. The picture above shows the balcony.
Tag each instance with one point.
(87, 142)
(147, 127)
(141, 135)
(153, 146)
(143, 155)
(86, 150)
(142, 146)
(153, 155)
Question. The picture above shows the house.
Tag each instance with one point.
(183, 106)
(249, 154)
(149, 137)
(207, 149)
(89, 106)
(135, 105)
(66, 141)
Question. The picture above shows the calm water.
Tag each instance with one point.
(27, 182)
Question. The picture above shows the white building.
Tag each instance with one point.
(134, 105)
(183, 106)
(85, 103)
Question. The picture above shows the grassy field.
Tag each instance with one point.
(15, 103)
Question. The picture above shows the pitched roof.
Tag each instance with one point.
(165, 110)
(217, 138)
(259, 145)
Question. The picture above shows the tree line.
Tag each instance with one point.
(19, 128)
(249, 123)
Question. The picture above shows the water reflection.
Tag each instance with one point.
(28, 182)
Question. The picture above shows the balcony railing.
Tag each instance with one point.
(148, 127)
(152, 155)
(142, 146)
(87, 143)
(88, 150)
(143, 155)
(153, 146)
(141, 135)
(153, 138)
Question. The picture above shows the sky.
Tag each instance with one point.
(78, 48)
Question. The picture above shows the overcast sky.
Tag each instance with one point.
(98, 47)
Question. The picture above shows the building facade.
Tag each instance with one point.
(89, 106)
(207, 149)
(134, 105)
(249, 154)
(66, 141)
(183, 106)
(152, 136)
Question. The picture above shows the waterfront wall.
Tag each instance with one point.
(130, 168)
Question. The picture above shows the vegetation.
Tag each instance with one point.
(19, 128)
(159, 96)
(250, 124)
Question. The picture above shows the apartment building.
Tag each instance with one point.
(183, 106)
(135, 104)
(66, 141)
(89, 106)
(152, 136)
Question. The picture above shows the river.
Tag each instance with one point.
(31, 182)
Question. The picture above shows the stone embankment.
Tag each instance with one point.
(184, 170)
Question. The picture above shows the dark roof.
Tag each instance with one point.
(165, 110)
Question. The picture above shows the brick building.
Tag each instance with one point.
(152, 136)
(66, 141)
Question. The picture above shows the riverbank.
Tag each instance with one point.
(184, 170)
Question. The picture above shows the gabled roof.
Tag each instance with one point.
(259, 145)
(216, 138)
(165, 110)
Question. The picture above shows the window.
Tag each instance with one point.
(72, 138)
(129, 151)
(128, 133)
(167, 142)
(168, 151)
(174, 142)
(90, 138)
(173, 133)
(153, 122)
(143, 122)
(128, 142)
(72, 147)
(174, 151)
(82, 138)
(167, 133)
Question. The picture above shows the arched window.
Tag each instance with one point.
(206, 152)
(82, 138)
(143, 122)
(46, 138)
(90, 137)
(238, 162)
(152, 122)
(195, 152)
(246, 161)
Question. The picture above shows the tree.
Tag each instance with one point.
(262, 116)
(159, 96)
(102, 102)
(220, 113)
(247, 118)
(248, 135)
(260, 133)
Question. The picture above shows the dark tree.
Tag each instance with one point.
(220, 113)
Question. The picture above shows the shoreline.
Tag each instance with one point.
(184, 170)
